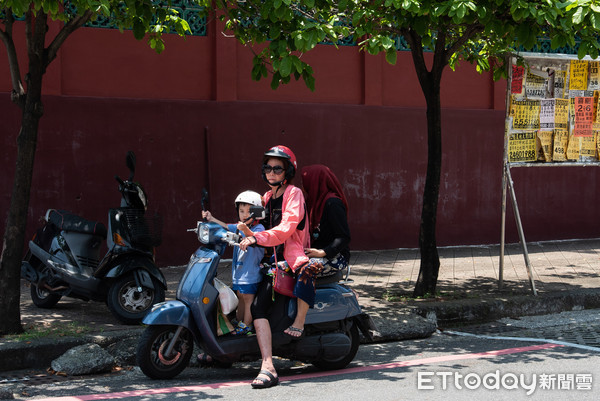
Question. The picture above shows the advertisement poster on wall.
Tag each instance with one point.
(553, 114)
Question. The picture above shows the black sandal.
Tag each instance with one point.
(264, 383)
(205, 360)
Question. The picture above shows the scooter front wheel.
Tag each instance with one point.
(130, 305)
(159, 356)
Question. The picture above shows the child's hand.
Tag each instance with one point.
(244, 229)
(207, 215)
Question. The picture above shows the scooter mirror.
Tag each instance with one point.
(130, 162)
(258, 212)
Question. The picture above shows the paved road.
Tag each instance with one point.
(469, 365)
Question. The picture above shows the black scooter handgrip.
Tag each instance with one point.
(119, 180)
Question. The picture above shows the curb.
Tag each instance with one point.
(463, 312)
(39, 354)
(395, 323)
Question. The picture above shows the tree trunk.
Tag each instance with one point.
(430, 260)
(14, 236)
(430, 84)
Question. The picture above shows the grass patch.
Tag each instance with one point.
(56, 330)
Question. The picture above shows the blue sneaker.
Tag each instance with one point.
(241, 329)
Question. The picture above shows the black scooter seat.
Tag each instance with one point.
(68, 221)
(339, 275)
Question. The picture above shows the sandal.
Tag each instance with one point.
(293, 329)
(264, 383)
(205, 360)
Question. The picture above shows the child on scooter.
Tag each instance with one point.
(245, 265)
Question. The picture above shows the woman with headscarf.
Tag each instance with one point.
(328, 211)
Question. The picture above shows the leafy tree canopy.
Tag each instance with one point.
(141, 16)
(476, 31)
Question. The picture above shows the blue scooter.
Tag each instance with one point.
(330, 340)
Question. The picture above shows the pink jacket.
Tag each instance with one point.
(286, 233)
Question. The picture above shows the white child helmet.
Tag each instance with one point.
(249, 197)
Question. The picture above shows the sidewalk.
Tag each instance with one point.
(566, 274)
(557, 266)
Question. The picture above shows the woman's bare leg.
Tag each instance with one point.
(263, 336)
(300, 319)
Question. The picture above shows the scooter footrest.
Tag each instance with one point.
(28, 272)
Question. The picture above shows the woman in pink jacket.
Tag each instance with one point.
(286, 236)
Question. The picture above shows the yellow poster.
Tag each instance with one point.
(525, 114)
(521, 146)
(561, 140)
(561, 113)
(596, 124)
(560, 83)
(587, 148)
(578, 78)
(535, 86)
(594, 78)
(544, 146)
(582, 148)
(573, 148)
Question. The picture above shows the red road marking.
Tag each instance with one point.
(359, 369)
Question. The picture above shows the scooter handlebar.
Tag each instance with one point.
(232, 239)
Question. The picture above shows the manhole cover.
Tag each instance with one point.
(32, 379)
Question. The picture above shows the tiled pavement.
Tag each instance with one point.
(474, 270)
(465, 272)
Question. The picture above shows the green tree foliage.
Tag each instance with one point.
(145, 18)
(481, 32)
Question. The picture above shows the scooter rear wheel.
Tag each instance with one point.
(43, 298)
(342, 362)
(129, 305)
(152, 348)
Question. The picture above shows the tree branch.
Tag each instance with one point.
(72, 25)
(416, 50)
(13, 61)
(440, 55)
(468, 34)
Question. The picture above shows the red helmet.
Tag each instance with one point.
(285, 153)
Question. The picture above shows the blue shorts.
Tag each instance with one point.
(246, 288)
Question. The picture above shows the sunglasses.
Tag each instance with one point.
(275, 169)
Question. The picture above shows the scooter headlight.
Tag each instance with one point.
(203, 233)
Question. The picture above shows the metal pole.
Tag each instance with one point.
(520, 228)
(508, 64)
(502, 229)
